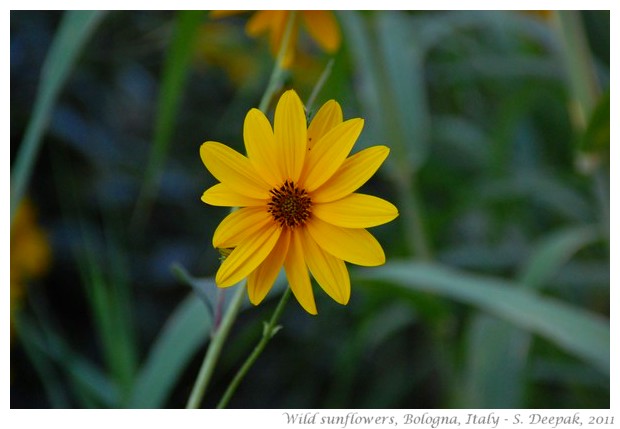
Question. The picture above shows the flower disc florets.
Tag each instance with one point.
(289, 205)
(298, 208)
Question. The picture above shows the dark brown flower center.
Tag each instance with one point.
(289, 205)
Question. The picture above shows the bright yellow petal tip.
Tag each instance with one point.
(298, 209)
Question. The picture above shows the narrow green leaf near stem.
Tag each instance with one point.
(318, 86)
(269, 331)
(40, 361)
(174, 76)
(94, 276)
(221, 333)
(90, 384)
(275, 80)
(390, 69)
(74, 31)
(213, 352)
(185, 331)
(578, 59)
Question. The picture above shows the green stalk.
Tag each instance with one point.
(412, 213)
(73, 32)
(214, 350)
(269, 331)
(319, 85)
(174, 76)
(581, 76)
(221, 333)
(275, 80)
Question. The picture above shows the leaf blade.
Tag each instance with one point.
(578, 331)
(74, 31)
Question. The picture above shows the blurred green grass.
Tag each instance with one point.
(496, 289)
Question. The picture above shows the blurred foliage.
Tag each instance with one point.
(496, 289)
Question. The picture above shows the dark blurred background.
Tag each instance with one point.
(500, 163)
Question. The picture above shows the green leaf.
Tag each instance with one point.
(577, 331)
(185, 331)
(497, 353)
(106, 306)
(548, 191)
(553, 252)
(83, 374)
(495, 368)
(41, 362)
(594, 145)
(392, 85)
(174, 76)
(74, 31)
(403, 86)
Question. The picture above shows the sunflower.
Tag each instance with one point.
(297, 203)
(30, 254)
(321, 25)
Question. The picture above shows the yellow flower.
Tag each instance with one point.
(296, 189)
(30, 253)
(321, 25)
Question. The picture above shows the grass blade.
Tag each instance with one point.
(577, 331)
(83, 374)
(173, 81)
(75, 29)
(185, 331)
(553, 252)
(495, 367)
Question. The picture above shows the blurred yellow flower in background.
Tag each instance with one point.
(30, 253)
(321, 25)
(296, 189)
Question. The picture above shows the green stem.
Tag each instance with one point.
(221, 333)
(269, 331)
(412, 215)
(319, 85)
(581, 75)
(74, 31)
(214, 350)
(278, 71)
(175, 74)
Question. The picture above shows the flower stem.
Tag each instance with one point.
(269, 330)
(278, 70)
(412, 214)
(319, 85)
(214, 350)
(221, 332)
(581, 75)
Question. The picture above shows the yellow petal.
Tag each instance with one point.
(297, 274)
(328, 116)
(291, 134)
(261, 22)
(357, 246)
(239, 225)
(261, 280)
(260, 145)
(222, 195)
(234, 170)
(328, 154)
(330, 272)
(353, 173)
(224, 13)
(356, 211)
(323, 28)
(274, 23)
(248, 255)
